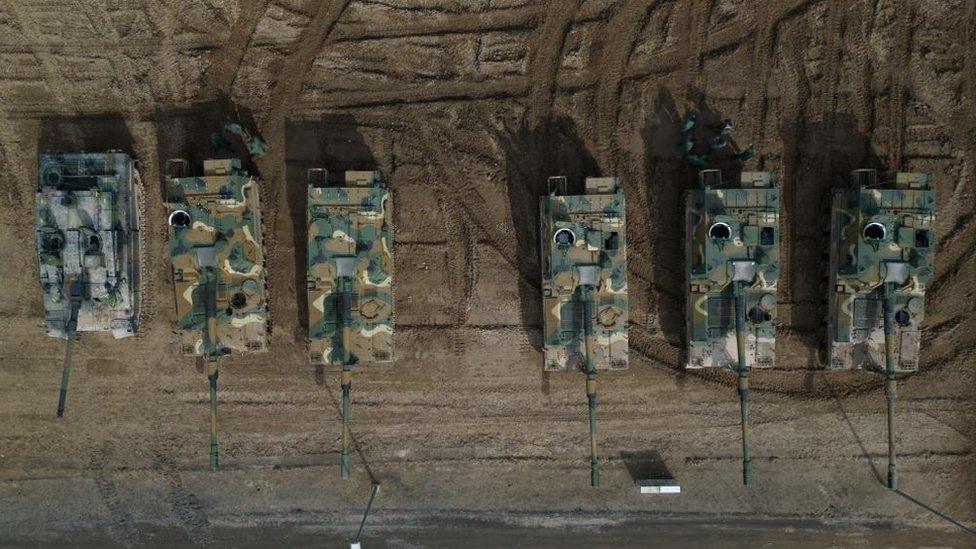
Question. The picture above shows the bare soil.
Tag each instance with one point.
(466, 107)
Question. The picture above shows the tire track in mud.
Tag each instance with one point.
(623, 29)
(546, 56)
(900, 85)
(120, 526)
(225, 62)
(187, 508)
(697, 18)
(21, 188)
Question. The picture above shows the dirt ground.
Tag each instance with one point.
(466, 106)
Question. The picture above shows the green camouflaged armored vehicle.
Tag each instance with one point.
(218, 264)
(732, 270)
(881, 260)
(350, 271)
(584, 284)
(87, 214)
(882, 241)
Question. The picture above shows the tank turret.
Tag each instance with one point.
(881, 260)
(217, 259)
(732, 270)
(87, 214)
(584, 285)
(350, 274)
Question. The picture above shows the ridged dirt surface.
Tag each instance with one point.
(466, 107)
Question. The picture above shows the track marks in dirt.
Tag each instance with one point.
(546, 55)
(622, 31)
(900, 85)
(225, 62)
(120, 525)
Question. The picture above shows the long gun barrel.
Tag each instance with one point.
(890, 385)
(590, 387)
(211, 354)
(74, 293)
(65, 370)
(346, 376)
(740, 346)
(212, 374)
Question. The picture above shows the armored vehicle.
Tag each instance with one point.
(218, 265)
(350, 270)
(584, 284)
(733, 265)
(87, 236)
(882, 247)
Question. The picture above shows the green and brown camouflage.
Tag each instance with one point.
(584, 247)
(350, 269)
(881, 236)
(732, 270)
(732, 236)
(87, 213)
(584, 285)
(217, 258)
(350, 275)
(217, 255)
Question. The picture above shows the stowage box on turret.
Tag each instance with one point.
(882, 244)
(584, 276)
(87, 237)
(733, 245)
(217, 258)
(350, 269)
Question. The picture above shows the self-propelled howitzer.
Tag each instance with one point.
(732, 271)
(350, 274)
(87, 213)
(882, 252)
(217, 257)
(584, 284)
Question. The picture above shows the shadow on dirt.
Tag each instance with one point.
(188, 133)
(669, 177)
(532, 154)
(92, 134)
(336, 144)
(818, 157)
(646, 465)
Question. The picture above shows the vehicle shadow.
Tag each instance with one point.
(335, 144)
(669, 177)
(533, 154)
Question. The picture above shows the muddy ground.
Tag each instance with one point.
(466, 107)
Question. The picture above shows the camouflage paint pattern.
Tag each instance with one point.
(585, 231)
(87, 230)
(350, 230)
(858, 269)
(745, 221)
(215, 242)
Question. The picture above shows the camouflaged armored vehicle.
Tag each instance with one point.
(87, 215)
(584, 284)
(882, 240)
(218, 263)
(732, 241)
(350, 271)
(732, 270)
(881, 259)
